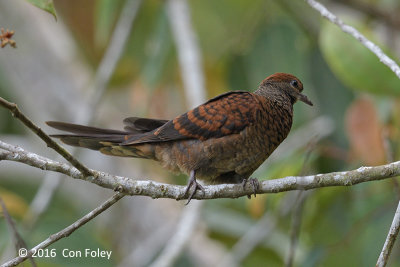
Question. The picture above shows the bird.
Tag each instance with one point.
(221, 141)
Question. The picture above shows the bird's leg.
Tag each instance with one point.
(192, 181)
(255, 184)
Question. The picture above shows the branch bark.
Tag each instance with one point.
(390, 17)
(13, 108)
(390, 239)
(189, 57)
(97, 89)
(19, 241)
(394, 230)
(66, 231)
(356, 34)
(161, 190)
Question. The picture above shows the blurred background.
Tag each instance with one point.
(177, 54)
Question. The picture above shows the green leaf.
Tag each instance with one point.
(354, 64)
(46, 5)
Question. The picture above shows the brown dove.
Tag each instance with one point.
(223, 140)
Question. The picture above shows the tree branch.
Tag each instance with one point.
(161, 190)
(19, 241)
(356, 34)
(390, 239)
(394, 230)
(189, 57)
(391, 18)
(13, 108)
(266, 224)
(96, 90)
(66, 231)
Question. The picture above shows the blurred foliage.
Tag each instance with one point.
(46, 5)
(365, 132)
(242, 42)
(370, 75)
(16, 205)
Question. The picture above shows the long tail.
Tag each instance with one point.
(105, 140)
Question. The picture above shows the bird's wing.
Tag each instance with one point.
(223, 115)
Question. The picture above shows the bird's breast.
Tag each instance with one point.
(239, 153)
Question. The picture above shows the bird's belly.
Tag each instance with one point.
(236, 155)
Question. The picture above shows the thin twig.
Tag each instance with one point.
(396, 69)
(356, 34)
(66, 231)
(391, 18)
(390, 239)
(50, 142)
(19, 241)
(161, 190)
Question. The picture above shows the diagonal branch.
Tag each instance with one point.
(97, 89)
(390, 239)
(13, 108)
(66, 231)
(394, 229)
(161, 190)
(19, 241)
(189, 57)
(391, 18)
(356, 34)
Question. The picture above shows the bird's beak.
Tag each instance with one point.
(303, 98)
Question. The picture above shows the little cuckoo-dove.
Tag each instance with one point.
(223, 140)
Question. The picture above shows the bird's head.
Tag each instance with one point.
(287, 84)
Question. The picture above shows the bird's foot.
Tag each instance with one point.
(192, 182)
(255, 184)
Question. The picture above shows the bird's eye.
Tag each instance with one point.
(294, 83)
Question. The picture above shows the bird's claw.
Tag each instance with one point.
(192, 182)
(255, 184)
(197, 186)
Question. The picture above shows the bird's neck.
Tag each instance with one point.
(276, 96)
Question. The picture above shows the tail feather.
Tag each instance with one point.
(107, 141)
(83, 130)
(135, 125)
(91, 142)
